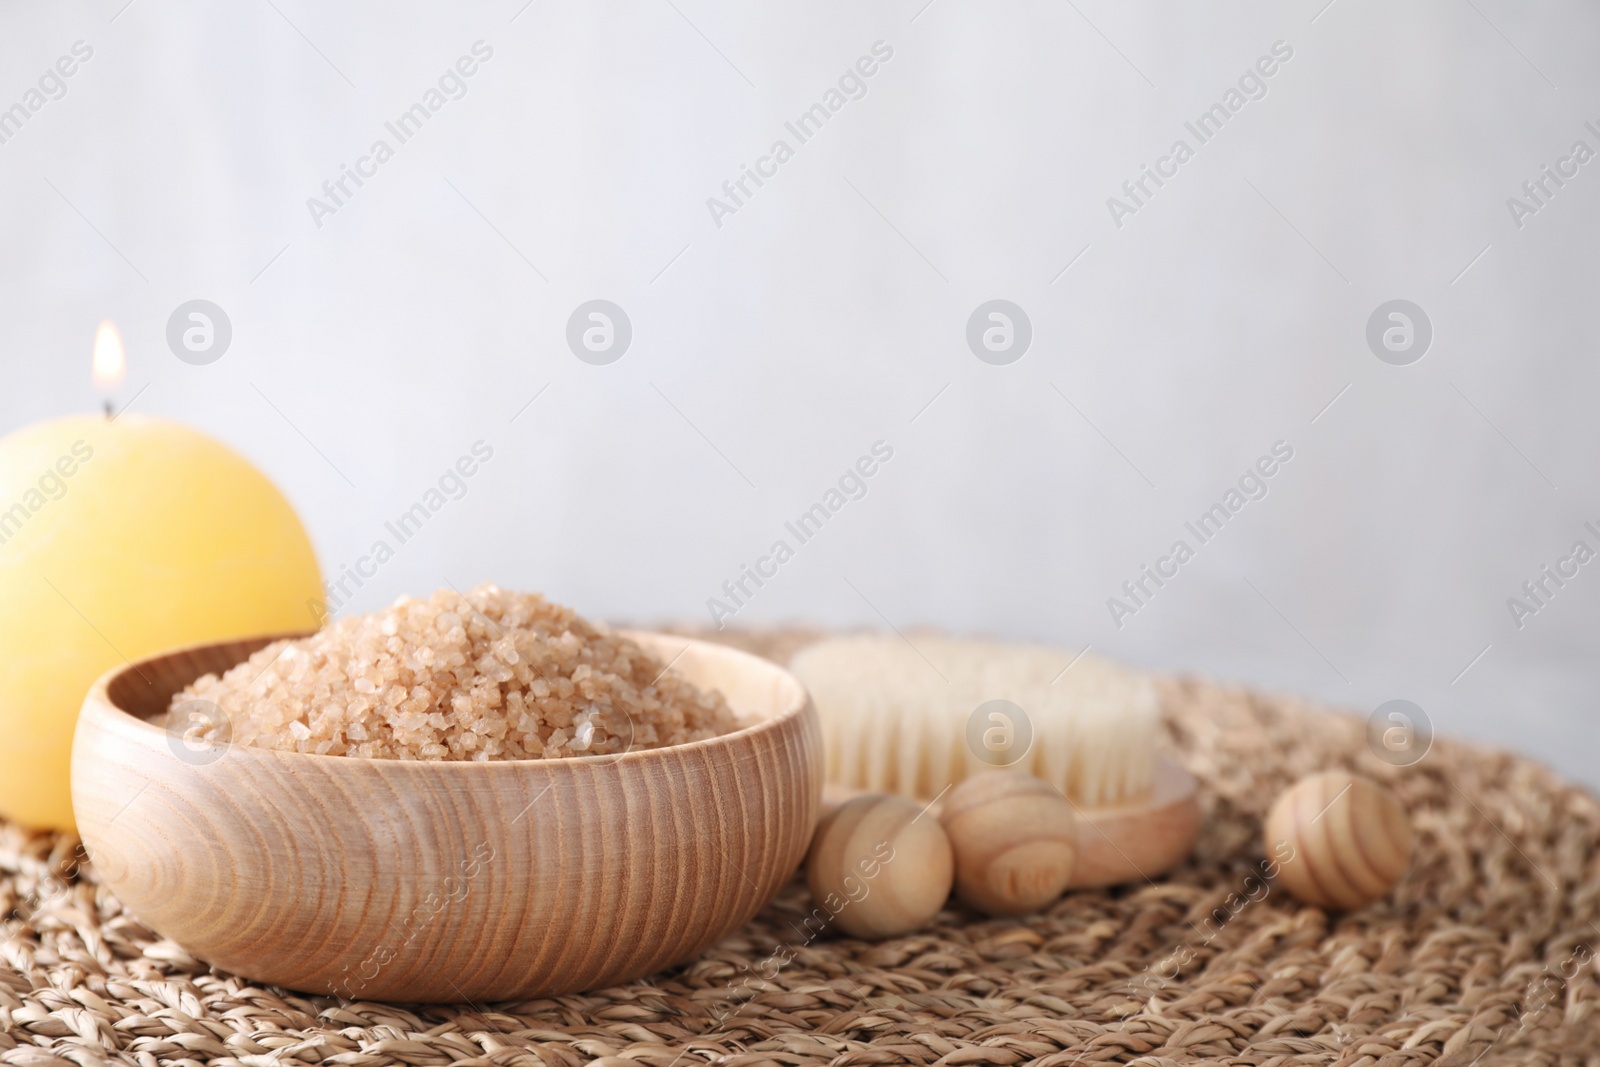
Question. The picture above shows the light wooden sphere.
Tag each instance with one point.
(1015, 841)
(1350, 840)
(452, 880)
(880, 866)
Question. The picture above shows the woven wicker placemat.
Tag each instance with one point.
(1483, 955)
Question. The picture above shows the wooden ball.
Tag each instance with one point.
(1015, 841)
(879, 867)
(1340, 841)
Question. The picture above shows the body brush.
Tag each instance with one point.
(916, 720)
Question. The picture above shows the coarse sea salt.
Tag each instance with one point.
(489, 675)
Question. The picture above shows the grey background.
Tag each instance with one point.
(826, 314)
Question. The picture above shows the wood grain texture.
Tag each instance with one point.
(1127, 843)
(1136, 841)
(1015, 840)
(1350, 836)
(880, 866)
(447, 881)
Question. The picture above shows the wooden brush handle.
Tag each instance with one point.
(1137, 841)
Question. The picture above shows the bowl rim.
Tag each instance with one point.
(100, 694)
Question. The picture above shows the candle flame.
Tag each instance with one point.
(110, 362)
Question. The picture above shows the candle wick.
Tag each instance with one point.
(109, 415)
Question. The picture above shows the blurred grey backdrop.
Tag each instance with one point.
(778, 334)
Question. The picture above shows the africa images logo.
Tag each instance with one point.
(451, 85)
(1252, 85)
(852, 85)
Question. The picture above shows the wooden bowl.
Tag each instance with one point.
(446, 881)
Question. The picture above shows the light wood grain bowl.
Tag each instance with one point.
(446, 881)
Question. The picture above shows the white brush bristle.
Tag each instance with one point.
(892, 724)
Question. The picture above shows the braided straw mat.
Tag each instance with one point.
(1481, 956)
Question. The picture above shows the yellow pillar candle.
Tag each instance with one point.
(119, 540)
